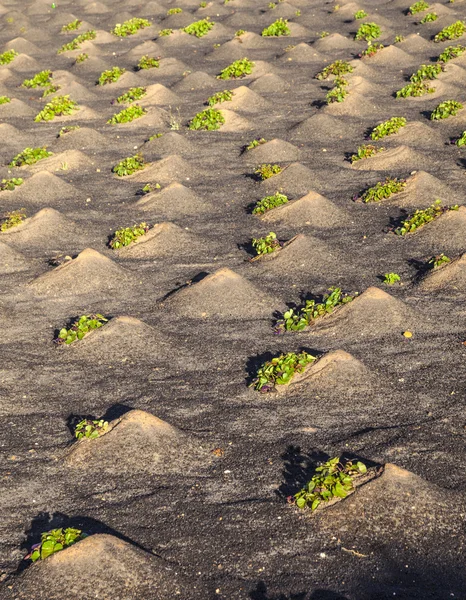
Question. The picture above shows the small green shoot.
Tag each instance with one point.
(127, 235)
(438, 261)
(382, 190)
(418, 7)
(78, 40)
(365, 151)
(80, 328)
(4, 100)
(371, 50)
(423, 216)
(398, 39)
(359, 14)
(76, 24)
(148, 62)
(337, 68)
(452, 32)
(129, 165)
(7, 57)
(254, 143)
(29, 156)
(41, 79)
(199, 28)
(130, 27)
(414, 90)
(266, 245)
(57, 107)
(390, 127)
(237, 69)
(269, 202)
(54, 541)
(165, 32)
(110, 76)
(368, 32)
(277, 29)
(90, 429)
(450, 53)
(339, 92)
(127, 115)
(239, 33)
(391, 278)
(174, 11)
(429, 18)
(281, 370)
(266, 171)
(12, 219)
(132, 95)
(210, 119)
(10, 184)
(446, 109)
(220, 97)
(461, 141)
(81, 58)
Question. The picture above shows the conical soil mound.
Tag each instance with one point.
(73, 159)
(16, 108)
(196, 81)
(174, 201)
(451, 277)
(324, 126)
(295, 180)
(335, 41)
(275, 150)
(245, 100)
(234, 122)
(169, 169)
(147, 48)
(269, 83)
(170, 143)
(446, 234)
(159, 95)
(21, 46)
(11, 261)
(46, 229)
(83, 138)
(139, 442)
(222, 294)
(12, 137)
(391, 55)
(400, 157)
(415, 44)
(354, 105)
(44, 187)
(302, 53)
(312, 209)
(421, 191)
(415, 134)
(164, 239)
(23, 63)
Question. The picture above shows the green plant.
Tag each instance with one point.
(429, 18)
(269, 202)
(391, 278)
(7, 57)
(334, 479)
(41, 79)
(277, 29)
(133, 94)
(265, 171)
(128, 114)
(67, 129)
(281, 370)
(4, 99)
(219, 97)
(199, 28)
(322, 35)
(51, 89)
(339, 92)
(337, 68)
(254, 143)
(398, 39)
(365, 151)
(312, 310)
(149, 187)
(202, 4)
(451, 52)
(266, 245)
(423, 216)
(427, 72)
(148, 62)
(461, 141)
(446, 109)
(438, 261)
(126, 235)
(165, 32)
(78, 40)
(54, 541)
(237, 69)
(411, 90)
(382, 190)
(110, 76)
(209, 120)
(129, 165)
(90, 429)
(29, 156)
(418, 7)
(368, 32)
(393, 125)
(130, 27)
(155, 136)
(80, 328)
(359, 14)
(371, 50)
(76, 24)
(174, 11)
(272, 5)
(10, 184)
(12, 219)
(57, 107)
(298, 13)
(452, 32)
(81, 58)
(239, 33)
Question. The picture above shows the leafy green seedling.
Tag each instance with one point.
(149, 187)
(202, 4)
(10, 184)
(429, 18)
(266, 245)
(110, 76)
(199, 28)
(127, 235)
(359, 14)
(54, 541)
(57, 107)
(4, 100)
(418, 7)
(29, 156)
(220, 97)
(461, 141)
(155, 136)
(371, 50)
(132, 95)
(427, 72)
(165, 32)
(337, 68)
(398, 39)
(414, 90)
(390, 127)
(391, 278)
(450, 53)
(423, 216)
(12, 219)
(269, 202)
(333, 479)
(41, 79)
(130, 27)
(255, 143)
(237, 69)
(438, 261)
(446, 109)
(80, 328)
(272, 5)
(365, 151)
(339, 92)
(90, 429)
(81, 58)
(51, 89)
(277, 29)
(129, 165)
(281, 370)
(208, 120)
(148, 62)
(239, 33)
(382, 190)
(128, 114)
(174, 11)
(7, 57)
(368, 32)
(78, 40)
(452, 32)
(67, 129)
(76, 24)
(266, 171)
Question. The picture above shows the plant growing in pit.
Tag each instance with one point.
(81, 58)
(429, 18)
(57, 107)
(371, 50)
(382, 190)
(446, 109)
(368, 32)
(29, 156)
(90, 429)
(266, 245)
(10, 184)
(414, 90)
(266, 171)
(334, 479)
(129, 165)
(76, 24)
(148, 62)
(220, 97)
(423, 216)
(210, 119)
(12, 219)
(389, 127)
(398, 39)
(41, 79)
(269, 202)
(199, 28)
(78, 40)
(130, 27)
(281, 370)
(418, 7)
(461, 141)
(54, 541)
(427, 72)
(7, 57)
(254, 143)
(440, 260)
(237, 69)
(79, 328)
(365, 151)
(359, 14)
(132, 95)
(277, 29)
(67, 129)
(127, 235)
(128, 114)
(391, 278)
(337, 68)
(4, 100)
(174, 11)
(339, 92)
(451, 32)
(110, 76)
(165, 32)
(450, 53)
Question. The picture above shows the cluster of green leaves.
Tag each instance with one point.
(129, 165)
(255, 143)
(76, 24)
(78, 40)
(448, 108)
(339, 92)
(149, 187)
(154, 136)
(209, 120)
(174, 11)
(391, 278)
(110, 75)
(67, 129)
(451, 32)
(429, 18)
(418, 7)
(81, 58)
(359, 14)
(12, 219)
(266, 245)
(51, 89)
(29, 156)
(237, 69)
(389, 127)
(368, 32)
(239, 33)
(365, 151)
(332, 480)
(451, 52)
(266, 171)
(383, 190)
(202, 4)
(281, 370)
(220, 97)
(90, 429)
(165, 32)
(7, 57)
(41, 79)
(148, 62)
(398, 39)
(427, 72)
(130, 27)
(54, 541)
(414, 90)
(128, 114)
(371, 50)
(57, 107)
(438, 261)
(10, 184)
(269, 202)
(337, 68)
(277, 29)
(461, 141)
(4, 99)
(312, 310)
(199, 28)
(133, 94)
(127, 235)
(80, 328)
(423, 216)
